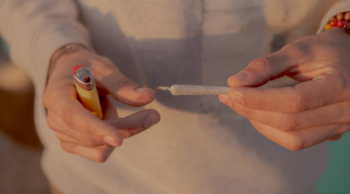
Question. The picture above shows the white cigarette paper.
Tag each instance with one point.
(177, 90)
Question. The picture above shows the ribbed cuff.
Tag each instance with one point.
(44, 49)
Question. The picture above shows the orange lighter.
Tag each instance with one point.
(87, 91)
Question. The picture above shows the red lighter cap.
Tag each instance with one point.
(76, 68)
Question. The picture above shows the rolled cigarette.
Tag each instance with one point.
(177, 90)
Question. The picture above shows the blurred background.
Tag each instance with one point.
(20, 148)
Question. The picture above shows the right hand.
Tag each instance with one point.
(79, 131)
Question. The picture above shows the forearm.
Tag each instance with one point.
(35, 29)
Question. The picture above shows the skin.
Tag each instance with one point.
(79, 131)
(314, 111)
(309, 113)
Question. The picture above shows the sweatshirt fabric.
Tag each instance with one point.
(200, 146)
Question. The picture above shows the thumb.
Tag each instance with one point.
(125, 90)
(267, 68)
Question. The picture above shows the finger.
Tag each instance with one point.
(57, 124)
(65, 138)
(110, 113)
(89, 124)
(329, 115)
(95, 155)
(324, 90)
(109, 110)
(121, 87)
(77, 118)
(297, 140)
(270, 67)
(335, 138)
(65, 134)
(63, 101)
(136, 123)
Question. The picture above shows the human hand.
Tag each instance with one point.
(311, 112)
(79, 131)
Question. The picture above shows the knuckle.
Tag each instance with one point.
(101, 157)
(340, 83)
(259, 129)
(105, 60)
(50, 121)
(104, 64)
(71, 118)
(241, 110)
(85, 140)
(66, 147)
(336, 78)
(303, 39)
(128, 132)
(124, 81)
(260, 63)
(336, 138)
(104, 147)
(337, 72)
(60, 136)
(344, 128)
(101, 160)
(300, 50)
(288, 122)
(47, 99)
(296, 103)
(291, 47)
(68, 120)
(89, 142)
(296, 143)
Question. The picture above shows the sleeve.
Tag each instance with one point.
(35, 29)
(341, 6)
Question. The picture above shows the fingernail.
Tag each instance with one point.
(240, 76)
(140, 89)
(151, 120)
(235, 98)
(110, 141)
(224, 99)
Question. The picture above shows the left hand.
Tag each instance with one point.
(78, 130)
(309, 113)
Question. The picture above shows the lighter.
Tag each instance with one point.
(87, 91)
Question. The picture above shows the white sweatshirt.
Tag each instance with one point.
(200, 146)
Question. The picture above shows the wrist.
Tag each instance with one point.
(61, 53)
(74, 47)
